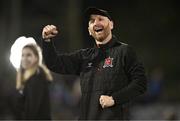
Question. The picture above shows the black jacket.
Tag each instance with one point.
(34, 102)
(111, 69)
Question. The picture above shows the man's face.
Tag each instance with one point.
(99, 27)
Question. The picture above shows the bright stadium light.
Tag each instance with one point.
(16, 49)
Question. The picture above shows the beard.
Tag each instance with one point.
(101, 36)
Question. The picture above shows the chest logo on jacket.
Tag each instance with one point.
(108, 62)
(90, 65)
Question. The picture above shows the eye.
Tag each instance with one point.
(100, 19)
(29, 55)
(26, 55)
(91, 21)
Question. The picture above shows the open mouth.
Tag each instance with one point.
(98, 30)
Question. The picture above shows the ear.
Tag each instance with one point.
(111, 25)
(89, 31)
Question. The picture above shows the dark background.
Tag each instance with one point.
(150, 26)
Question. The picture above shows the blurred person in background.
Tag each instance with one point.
(32, 98)
(155, 84)
(111, 75)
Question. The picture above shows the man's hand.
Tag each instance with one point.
(49, 32)
(106, 101)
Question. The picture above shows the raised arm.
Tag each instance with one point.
(59, 63)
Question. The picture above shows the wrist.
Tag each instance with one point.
(113, 102)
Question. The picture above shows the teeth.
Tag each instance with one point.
(98, 30)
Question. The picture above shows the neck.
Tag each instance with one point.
(29, 72)
(106, 40)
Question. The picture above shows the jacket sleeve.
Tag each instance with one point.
(135, 73)
(61, 63)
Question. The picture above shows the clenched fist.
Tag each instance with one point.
(106, 101)
(49, 32)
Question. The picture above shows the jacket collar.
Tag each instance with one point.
(114, 41)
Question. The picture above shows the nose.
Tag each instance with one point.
(96, 21)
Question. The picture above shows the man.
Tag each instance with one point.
(110, 72)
